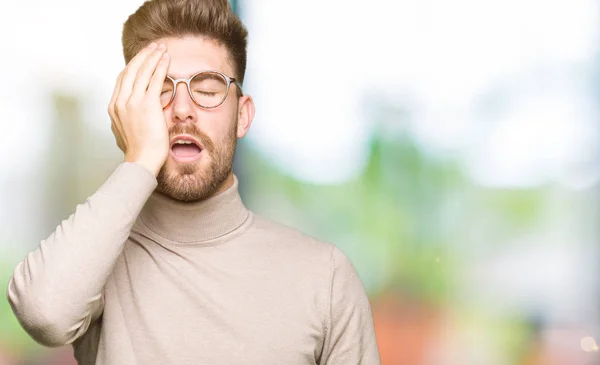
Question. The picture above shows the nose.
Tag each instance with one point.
(183, 105)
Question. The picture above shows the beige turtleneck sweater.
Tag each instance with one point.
(134, 277)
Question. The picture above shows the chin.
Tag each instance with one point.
(185, 168)
(189, 181)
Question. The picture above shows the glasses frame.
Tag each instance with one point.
(229, 80)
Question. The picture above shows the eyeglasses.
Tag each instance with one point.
(208, 89)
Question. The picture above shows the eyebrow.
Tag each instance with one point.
(195, 73)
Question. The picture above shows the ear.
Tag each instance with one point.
(245, 115)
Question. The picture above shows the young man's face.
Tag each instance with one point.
(189, 173)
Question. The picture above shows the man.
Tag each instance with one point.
(164, 264)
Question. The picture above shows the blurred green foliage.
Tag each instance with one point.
(386, 219)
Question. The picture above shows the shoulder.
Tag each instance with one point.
(279, 236)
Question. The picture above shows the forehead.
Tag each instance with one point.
(192, 54)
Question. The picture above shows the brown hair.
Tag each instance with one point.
(214, 19)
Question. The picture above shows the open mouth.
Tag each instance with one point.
(185, 149)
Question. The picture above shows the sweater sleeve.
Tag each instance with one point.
(350, 337)
(56, 292)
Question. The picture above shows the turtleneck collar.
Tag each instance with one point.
(198, 221)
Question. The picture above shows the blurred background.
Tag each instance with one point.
(449, 148)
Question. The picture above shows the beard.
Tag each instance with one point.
(196, 181)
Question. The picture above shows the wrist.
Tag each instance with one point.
(151, 165)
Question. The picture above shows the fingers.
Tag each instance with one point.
(117, 89)
(145, 73)
(131, 73)
(113, 99)
(158, 78)
(112, 112)
(131, 87)
(118, 138)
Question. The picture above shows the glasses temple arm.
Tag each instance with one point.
(239, 86)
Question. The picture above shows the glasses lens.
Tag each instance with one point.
(209, 89)
(167, 92)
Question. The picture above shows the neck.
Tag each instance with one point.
(199, 221)
(227, 183)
